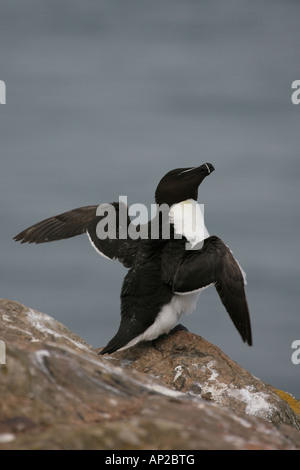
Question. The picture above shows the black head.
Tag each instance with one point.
(181, 184)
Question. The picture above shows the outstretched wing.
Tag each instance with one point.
(61, 226)
(85, 220)
(215, 264)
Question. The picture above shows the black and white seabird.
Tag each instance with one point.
(165, 277)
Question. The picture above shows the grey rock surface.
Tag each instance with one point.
(58, 393)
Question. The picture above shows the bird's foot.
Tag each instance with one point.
(176, 328)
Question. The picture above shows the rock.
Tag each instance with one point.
(57, 393)
(188, 363)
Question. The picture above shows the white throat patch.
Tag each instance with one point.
(188, 220)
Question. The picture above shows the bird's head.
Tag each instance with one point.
(181, 184)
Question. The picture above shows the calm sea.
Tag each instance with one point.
(103, 98)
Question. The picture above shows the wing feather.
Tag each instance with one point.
(77, 222)
(215, 264)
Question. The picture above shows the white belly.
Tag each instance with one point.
(167, 317)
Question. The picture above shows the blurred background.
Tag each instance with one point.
(103, 98)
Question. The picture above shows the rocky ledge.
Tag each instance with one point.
(179, 392)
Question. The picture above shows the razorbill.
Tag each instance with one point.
(166, 273)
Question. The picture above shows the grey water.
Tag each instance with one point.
(102, 99)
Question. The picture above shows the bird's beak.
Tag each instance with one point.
(202, 170)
